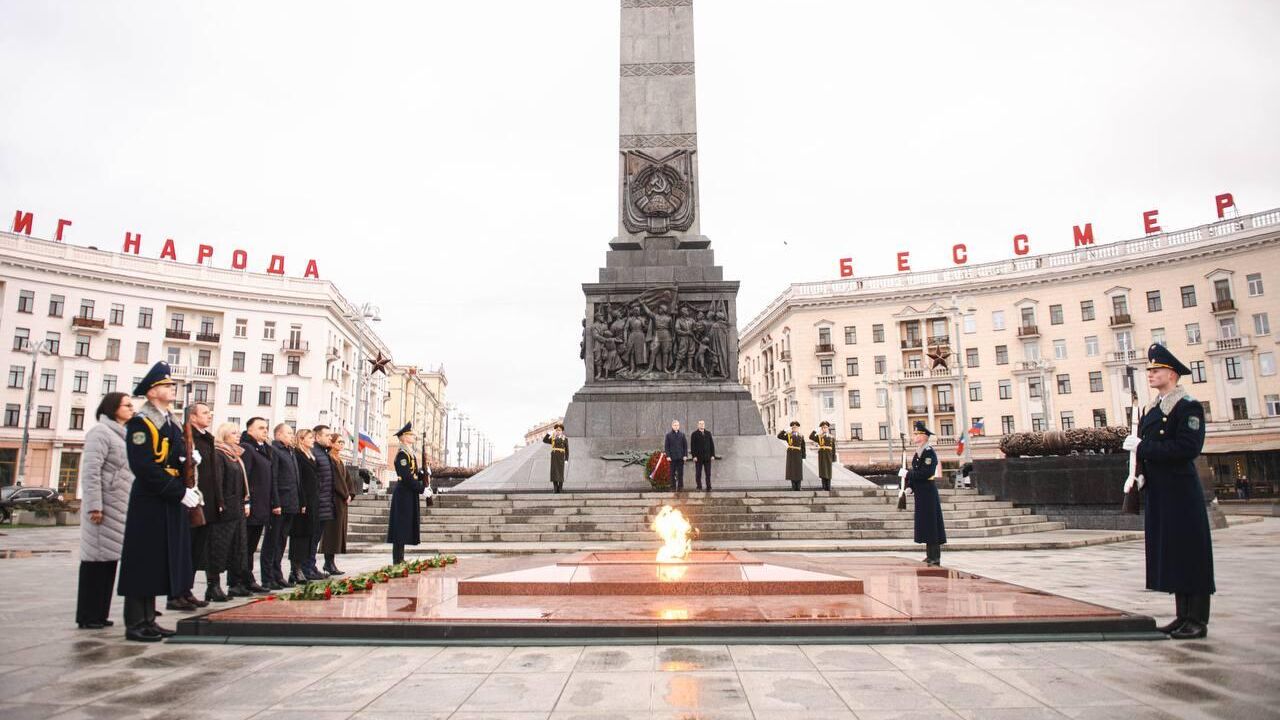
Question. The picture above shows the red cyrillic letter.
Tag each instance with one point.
(168, 251)
(203, 252)
(132, 243)
(239, 260)
(276, 266)
(312, 270)
(960, 253)
(1084, 237)
(1021, 245)
(904, 261)
(1223, 201)
(62, 224)
(1150, 223)
(846, 267)
(22, 221)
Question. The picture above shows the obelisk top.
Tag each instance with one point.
(658, 126)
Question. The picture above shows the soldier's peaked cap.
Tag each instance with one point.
(408, 428)
(920, 428)
(795, 423)
(1158, 356)
(158, 375)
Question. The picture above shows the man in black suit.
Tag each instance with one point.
(703, 449)
(676, 446)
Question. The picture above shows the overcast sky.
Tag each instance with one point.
(454, 162)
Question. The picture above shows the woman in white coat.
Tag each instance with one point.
(105, 481)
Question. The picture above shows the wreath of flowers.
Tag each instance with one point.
(660, 480)
(326, 589)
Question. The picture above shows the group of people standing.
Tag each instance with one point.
(139, 512)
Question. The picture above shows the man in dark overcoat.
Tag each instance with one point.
(929, 528)
(403, 527)
(676, 447)
(826, 452)
(1179, 546)
(702, 446)
(795, 454)
(284, 474)
(155, 558)
(264, 501)
(559, 455)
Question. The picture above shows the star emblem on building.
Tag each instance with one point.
(379, 364)
(939, 358)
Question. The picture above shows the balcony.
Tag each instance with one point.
(1121, 320)
(1226, 344)
(81, 322)
(920, 373)
(177, 334)
(911, 342)
(824, 380)
(295, 347)
(785, 355)
(1225, 305)
(1123, 356)
(1029, 331)
(200, 372)
(944, 408)
(331, 353)
(209, 337)
(824, 349)
(917, 410)
(939, 340)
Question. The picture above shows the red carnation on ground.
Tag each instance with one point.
(328, 593)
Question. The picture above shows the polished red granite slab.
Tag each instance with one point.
(702, 574)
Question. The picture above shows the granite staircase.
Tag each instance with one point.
(727, 517)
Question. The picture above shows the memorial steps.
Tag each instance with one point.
(725, 517)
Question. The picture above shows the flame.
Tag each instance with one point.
(674, 529)
(671, 573)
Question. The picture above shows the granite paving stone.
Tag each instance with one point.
(517, 692)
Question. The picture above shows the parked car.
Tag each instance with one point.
(13, 498)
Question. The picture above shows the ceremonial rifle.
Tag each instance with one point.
(189, 470)
(902, 481)
(1133, 484)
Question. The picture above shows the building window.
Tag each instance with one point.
(824, 367)
(268, 364)
(174, 355)
(86, 308)
(12, 414)
(947, 428)
(1261, 324)
(56, 305)
(945, 403)
(1055, 314)
(1188, 293)
(855, 429)
(850, 335)
(975, 392)
(882, 397)
(824, 336)
(1038, 423)
(53, 342)
(1124, 340)
(82, 346)
(1226, 328)
(200, 392)
(1153, 301)
(26, 301)
(970, 323)
(971, 357)
(1060, 349)
(997, 319)
(48, 379)
(1273, 405)
(1197, 371)
(1002, 354)
(1068, 420)
(1033, 387)
(1006, 424)
(1255, 284)
(21, 339)
(1031, 351)
(80, 382)
(1267, 364)
(1239, 409)
(1086, 310)
(1234, 370)
(44, 417)
(1157, 336)
(879, 365)
(1091, 345)
(237, 361)
(206, 325)
(1005, 388)
(117, 314)
(1028, 317)
(293, 365)
(108, 384)
(144, 318)
(1099, 417)
(141, 351)
(68, 473)
(913, 362)
(16, 375)
(113, 349)
(877, 333)
(1095, 381)
(203, 358)
(176, 321)
(1193, 333)
(264, 395)
(851, 367)
(855, 399)
(1119, 305)
(237, 395)
(884, 431)
(269, 330)
(242, 328)
(77, 419)
(828, 401)
(1064, 384)
(1222, 289)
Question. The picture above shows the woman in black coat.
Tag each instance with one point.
(308, 500)
(929, 528)
(227, 542)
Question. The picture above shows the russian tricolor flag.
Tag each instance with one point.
(366, 442)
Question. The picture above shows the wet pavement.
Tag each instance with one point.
(48, 668)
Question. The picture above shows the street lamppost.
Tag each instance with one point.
(957, 311)
(469, 429)
(40, 347)
(887, 385)
(444, 443)
(367, 311)
(461, 418)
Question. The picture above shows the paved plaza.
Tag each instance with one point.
(50, 669)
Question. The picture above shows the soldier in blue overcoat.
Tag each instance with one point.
(1179, 546)
(929, 528)
(156, 556)
(403, 527)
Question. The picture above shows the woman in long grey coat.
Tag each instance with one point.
(105, 481)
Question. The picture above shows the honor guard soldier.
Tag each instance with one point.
(156, 556)
(826, 452)
(559, 454)
(795, 454)
(929, 528)
(404, 527)
(1179, 547)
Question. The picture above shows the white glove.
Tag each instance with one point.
(1142, 480)
(199, 495)
(910, 491)
(195, 455)
(1131, 442)
(1129, 484)
(902, 472)
(191, 498)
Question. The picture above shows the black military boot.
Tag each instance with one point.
(1180, 603)
(1196, 625)
(795, 485)
(826, 485)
